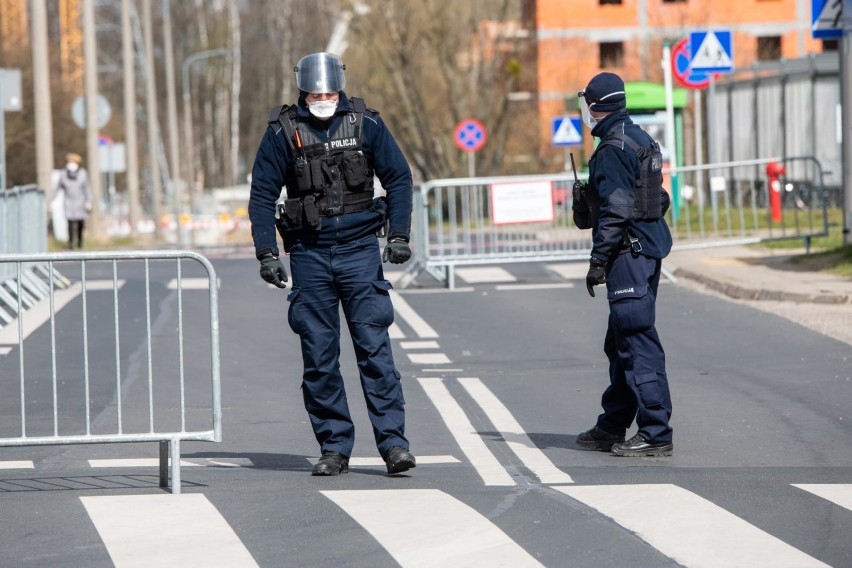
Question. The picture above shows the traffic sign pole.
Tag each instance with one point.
(671, 144)
(846, 120)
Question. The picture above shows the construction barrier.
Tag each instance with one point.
(103, 352)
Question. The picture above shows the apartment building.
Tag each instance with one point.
(575, 39)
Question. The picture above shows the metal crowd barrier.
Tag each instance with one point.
(468, 221)
(23, 222)
(106, 354)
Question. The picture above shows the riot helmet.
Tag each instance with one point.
(320, 73)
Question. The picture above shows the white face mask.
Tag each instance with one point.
(323, 109)
(590, 121)
(72, 167)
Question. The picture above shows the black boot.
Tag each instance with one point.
(598, 439)
(331, 463)
(399, 459)
(637, 446)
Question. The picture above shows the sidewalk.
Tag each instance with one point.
(747, 273)
(765, 279)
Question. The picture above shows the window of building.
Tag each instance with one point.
(674, 1)
(830, 45)
(769, 48)
(602, 2)
(611, 54)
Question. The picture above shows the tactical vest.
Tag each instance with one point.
(648, 188)
(325, 179)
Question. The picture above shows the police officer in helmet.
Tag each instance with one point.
(624, 204)
(325, 150)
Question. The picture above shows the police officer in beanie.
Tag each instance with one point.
(325, 150)
(624, 204)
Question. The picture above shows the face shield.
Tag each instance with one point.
(585, 112)
(320, 73)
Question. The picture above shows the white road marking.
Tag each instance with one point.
(40, 312)
(194, 283)
(570, 271)
(514, 435)
(155, 462)
(5, 350)
(25, 464)
(839, 493)
(515, 287)
(484, 274)
(440, 370)
(448, 532)
(690, 529)
(395, 332)
(408, 291)
(379, 462)
(418, 324)
(470, 442)
(428, 358)
(165, 530)
(419, 345)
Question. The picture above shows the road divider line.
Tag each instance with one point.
(165, 530)
(837, 493)
(513, 434)
(468, 439)
(22, 464)
(688, 528)
(417, 323)
(155, 462)
(448, 532)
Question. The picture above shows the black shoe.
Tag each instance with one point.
(598, 439)
(637, 446)
(399, 459)
(331, 463)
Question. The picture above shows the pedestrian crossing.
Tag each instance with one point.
(441, 529)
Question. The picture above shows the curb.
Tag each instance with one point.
(743, 293)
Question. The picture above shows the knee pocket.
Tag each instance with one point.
(648, 386)
(632, 308)
(304, 317)
(374, 307)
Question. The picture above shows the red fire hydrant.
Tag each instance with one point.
(775, 170)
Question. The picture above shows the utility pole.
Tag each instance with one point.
(130, 117)
(41, 96)
(151, 106)
(90, 84)
(171, 103)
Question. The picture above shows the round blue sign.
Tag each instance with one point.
(681, 56)
(470, 135)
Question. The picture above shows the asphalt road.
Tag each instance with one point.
(499, 377)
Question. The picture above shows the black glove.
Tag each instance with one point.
(273, 271)
(578, 192)
(665, 200)
(596, 275)
(397, 251)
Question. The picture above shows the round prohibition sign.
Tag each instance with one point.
(470, 135)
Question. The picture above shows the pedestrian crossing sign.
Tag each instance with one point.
(566, 131)
(827, 19)
(711, 51)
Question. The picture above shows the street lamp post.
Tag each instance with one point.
(187, 114)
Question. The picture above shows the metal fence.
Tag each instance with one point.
(23, 222)
(468, 221)
(106, 353)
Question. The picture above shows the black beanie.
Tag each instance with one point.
(605, 93)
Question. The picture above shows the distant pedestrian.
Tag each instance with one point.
(74, 186)
(326, 149)
(624, 203)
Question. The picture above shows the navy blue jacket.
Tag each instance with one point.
(612, 175)
(274, 157)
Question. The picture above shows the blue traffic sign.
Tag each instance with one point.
(712, 51)
(566, 131)
(827, 19)
(470, 135)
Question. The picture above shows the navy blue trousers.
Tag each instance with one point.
(639, 387)
(324, 278)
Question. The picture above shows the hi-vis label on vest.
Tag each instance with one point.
(344, 143)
